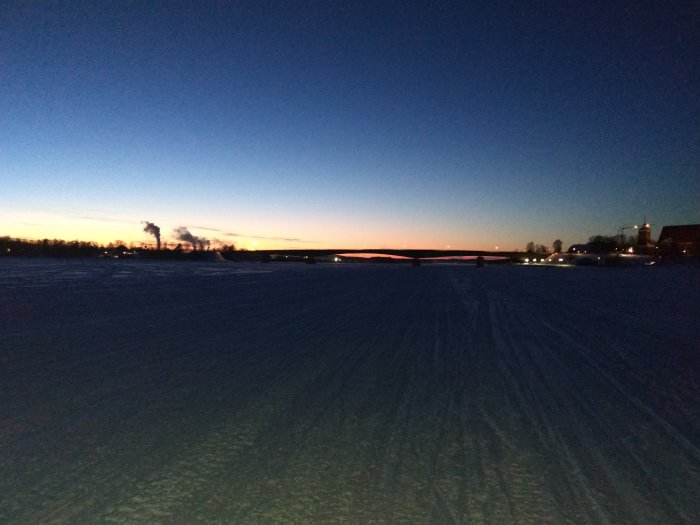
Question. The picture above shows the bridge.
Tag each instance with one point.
(388, 252)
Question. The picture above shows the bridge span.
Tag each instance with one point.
(408, 253)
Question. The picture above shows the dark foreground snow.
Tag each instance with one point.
(181, 393)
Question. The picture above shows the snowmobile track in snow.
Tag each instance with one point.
(154, 392)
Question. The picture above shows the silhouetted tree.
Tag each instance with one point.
(602, 243)
(530, 247)
(556, 246)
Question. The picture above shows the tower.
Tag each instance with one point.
(644, 238)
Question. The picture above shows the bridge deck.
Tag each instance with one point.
(409, 253)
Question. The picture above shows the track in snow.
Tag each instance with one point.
(156, 392)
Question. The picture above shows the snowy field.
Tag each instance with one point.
(155, 392)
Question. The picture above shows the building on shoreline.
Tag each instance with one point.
(644, 244)
(682, 239)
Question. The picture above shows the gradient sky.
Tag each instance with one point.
(349, 124)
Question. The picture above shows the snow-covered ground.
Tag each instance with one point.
(135, 391)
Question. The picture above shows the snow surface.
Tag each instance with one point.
(135, 391)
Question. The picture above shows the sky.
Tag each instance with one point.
(322, 124)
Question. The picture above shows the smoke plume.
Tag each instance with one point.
(183, 234)
(153, 230)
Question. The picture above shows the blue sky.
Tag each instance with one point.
(377, 124)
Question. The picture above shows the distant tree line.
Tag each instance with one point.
(60, 248)
(596, 244)
(610, 243)
(603, 243)
(47, 248)
(533, 248)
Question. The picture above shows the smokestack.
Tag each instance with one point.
(183, 234)
(153, 230)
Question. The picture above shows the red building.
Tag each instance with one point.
(684, 239)
(644, 238)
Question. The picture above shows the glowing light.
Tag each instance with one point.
(527, 260)
(561, 259)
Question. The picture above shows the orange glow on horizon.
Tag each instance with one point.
(304, 233)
